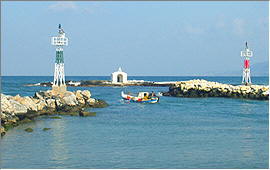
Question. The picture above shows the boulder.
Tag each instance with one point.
(6, 96)
(78, 93)
(2, 116)
(51, 103)
(59, 103)
(43, 94)
(12, 120)
(39, 95)
(86, 94)
(91, 101)
(99, 104)
(2, 131)
(35, 100)
(70, 99)
(17, 98)
(17, 108)
(29, 103)
(6, 106)
(79, 97)
(41, 105)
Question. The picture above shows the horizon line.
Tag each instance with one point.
(135, 76)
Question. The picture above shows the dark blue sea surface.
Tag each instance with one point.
(175, 133)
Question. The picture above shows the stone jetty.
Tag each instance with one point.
(203, 88)
(18, 109)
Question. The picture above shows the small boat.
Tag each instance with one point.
(142, 97)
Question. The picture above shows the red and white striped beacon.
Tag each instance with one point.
(246, 70)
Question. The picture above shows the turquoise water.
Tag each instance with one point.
(175, 133)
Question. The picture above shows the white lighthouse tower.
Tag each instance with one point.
(246, 70)
(59, 85)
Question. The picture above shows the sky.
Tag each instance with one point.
(144, 38)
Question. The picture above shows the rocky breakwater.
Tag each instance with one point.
(203, 88)
(18, 109)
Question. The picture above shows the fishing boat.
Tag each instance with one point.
(142, 97)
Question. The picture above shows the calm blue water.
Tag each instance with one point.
(175, 133)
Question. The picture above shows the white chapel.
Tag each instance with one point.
(119, 76)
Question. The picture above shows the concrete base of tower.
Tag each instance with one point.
(59, 89)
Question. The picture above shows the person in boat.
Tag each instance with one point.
(153, 94)
(145, 97)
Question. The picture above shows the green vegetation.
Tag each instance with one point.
(29, 130)
(56, 117)
(45, 129)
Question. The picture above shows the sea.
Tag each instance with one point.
(174, 133)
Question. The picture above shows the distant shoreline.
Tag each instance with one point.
(107, 83)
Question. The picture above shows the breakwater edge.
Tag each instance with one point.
(18, 109)
(203, 88)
